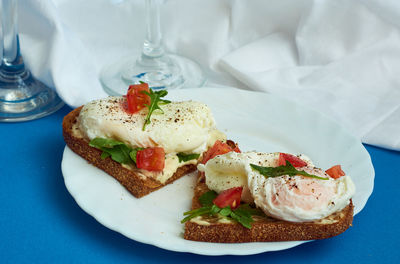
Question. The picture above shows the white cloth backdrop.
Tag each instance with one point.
(340, 57)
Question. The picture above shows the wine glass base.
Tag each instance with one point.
(23, 98)
(166, 72)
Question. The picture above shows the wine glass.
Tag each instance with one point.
(22, 96)
(153, 65)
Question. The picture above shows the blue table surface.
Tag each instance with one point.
(41, 223)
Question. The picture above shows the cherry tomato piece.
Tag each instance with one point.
(218, 148)
(229, 197)
(237, 149)
(151, 159)
(335, 172)
(135, 97)
(294, 160)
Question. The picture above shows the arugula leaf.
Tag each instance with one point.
(133, 153)
(117, 150)
(183, 157)
(287, 169)
(250, 210)
(206, 199)
(244, 219)
(104, 142)
(214, 209)
(243, 214)
(225, 211)
(155, 100)
(120, 153)
(195, 213)
(104, 155)
(114, 148)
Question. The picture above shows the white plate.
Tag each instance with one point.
(258, 121)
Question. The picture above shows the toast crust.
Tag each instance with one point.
(265, 229)
(132, 181)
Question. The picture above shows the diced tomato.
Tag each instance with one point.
(151, 159)
(237, 149)
(335, 172)
(135, 97)
(229, 197)
(218, 148)
(294, 160)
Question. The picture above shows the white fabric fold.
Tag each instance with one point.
(348, 66)
(339, 57)
(56, 54)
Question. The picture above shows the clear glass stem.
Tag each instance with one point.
(22, 97)
(152, 64)
(12, 60)
(152, 46)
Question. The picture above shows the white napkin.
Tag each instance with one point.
(340, 57)
(344, 60)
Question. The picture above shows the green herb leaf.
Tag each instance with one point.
(183, 157)
(287, 169)
(120, 153)
(244, 219)
(206, 199)
(117, 150)
(133, 153)
(250, 210)
(197, 212)
(225, 211)
(243, 214)
(104, 155)
(155, 100)
(104, 142)
(214, 209)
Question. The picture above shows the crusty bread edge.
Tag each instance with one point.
(135, 184)
(263, 231)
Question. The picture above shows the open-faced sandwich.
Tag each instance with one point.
(141, 139)
(255, 197)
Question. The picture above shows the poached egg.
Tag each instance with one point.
(290, 198)
(181, 127)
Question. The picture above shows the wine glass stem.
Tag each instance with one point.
(12, 61)
(152, 46)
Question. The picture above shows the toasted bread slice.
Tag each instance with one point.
(264, 228)
(136, 184)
